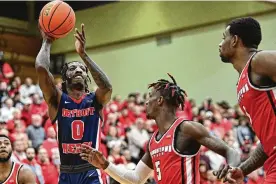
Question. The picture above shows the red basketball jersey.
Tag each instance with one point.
(259, 104)
(170, 167)
(13, 176)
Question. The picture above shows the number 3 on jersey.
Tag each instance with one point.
(158, 170)
(77, 129)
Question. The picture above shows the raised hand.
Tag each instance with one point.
(80, 40)
(45, 36)
(93, 156)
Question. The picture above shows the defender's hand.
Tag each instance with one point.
(93, 156)
(80, 40)
(232, 175)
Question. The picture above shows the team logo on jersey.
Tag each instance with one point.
(78, 112)
(242, 91)
(161, 151)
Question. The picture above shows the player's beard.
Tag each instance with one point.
(225, 59)
(2, 160)
(77, 85)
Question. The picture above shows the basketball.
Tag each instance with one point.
(57, 19)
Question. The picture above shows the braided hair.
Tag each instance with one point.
(65, 78)
(172, 93)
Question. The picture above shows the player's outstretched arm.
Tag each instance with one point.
(26, 176)
(264, 64)
(138, 176)
(46, 80)
(104, 91)
(202, 136)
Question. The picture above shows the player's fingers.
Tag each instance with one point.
(230, 180)
(82, 30)
(79, 34)
(85, 149)
(215, 173)
(78, 38)
(219, 170)
(223, 172)
(84, 158)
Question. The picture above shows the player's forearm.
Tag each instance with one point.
(256, 160)
(123, 175)
(233, 157)
(220, 147)
(98, 75)
(43, 57)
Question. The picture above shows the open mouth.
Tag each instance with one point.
(78, 77)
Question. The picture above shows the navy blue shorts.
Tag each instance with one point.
(88, 177)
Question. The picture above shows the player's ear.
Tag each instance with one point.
(160, 100)
(234, 40)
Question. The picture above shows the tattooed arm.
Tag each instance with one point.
(256, 160)
(104, 91)
(46, 80)
(236, 174)
(201, 135)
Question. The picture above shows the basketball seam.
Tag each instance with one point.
(62, 22)
(62, 33)
(52, 16)
(43, 22)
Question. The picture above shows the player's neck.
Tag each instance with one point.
(5, 165)
(164, 121)
(241, 59)
(76, 94)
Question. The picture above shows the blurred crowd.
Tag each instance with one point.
(125, 134)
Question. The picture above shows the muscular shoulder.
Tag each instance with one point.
(193, 129)
(26, 176)
(262, 61)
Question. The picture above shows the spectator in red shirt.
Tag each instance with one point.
(6, 72)
(49, 171)
(16, 119)
(25, 113)
(39, 106)
(19, 131)
(50, 144)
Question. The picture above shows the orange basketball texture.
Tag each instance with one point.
(57, 19)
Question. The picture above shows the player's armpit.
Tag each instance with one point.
(264, 64)
(201, 135)
(26, 176)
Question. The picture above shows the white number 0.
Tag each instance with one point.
(158, 170)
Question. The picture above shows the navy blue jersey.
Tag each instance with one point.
(78, 121)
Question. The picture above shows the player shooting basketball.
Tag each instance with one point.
(76, 110)
(173, 149)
